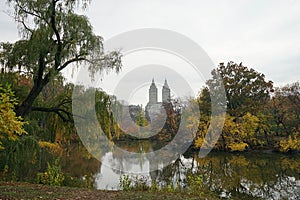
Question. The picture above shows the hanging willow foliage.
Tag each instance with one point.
(21, 158)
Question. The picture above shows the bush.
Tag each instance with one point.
(125, 183)
(53, 175)
(291, 144)
(73, 181)
(195, 184)
(135, 183)
(242, 146)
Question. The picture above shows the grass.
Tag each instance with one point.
(22, 190)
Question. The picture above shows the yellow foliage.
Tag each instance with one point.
(237, 146)
(249, 125)
(205, 143)
(291, 144)
(53, 147)
(10, 125)
(230, 128)
(198, 142)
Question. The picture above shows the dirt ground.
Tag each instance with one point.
(21, 190)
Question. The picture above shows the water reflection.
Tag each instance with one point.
(255, 174)
(108, 178)
(265, 175)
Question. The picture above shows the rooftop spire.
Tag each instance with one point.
(166, 83)
(153, 83)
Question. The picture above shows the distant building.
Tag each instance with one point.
(166, 92)
(153, 106)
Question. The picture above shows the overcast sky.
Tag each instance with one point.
(264, 35)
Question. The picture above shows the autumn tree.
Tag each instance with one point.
(247, 93)
(285, 107)
(11, 126)
(246, 89)
(53, 37)
(286, 116)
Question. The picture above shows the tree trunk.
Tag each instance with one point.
(25, 107)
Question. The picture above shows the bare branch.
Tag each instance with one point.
(25, 26)
(76, 59)
(58, 111)
(65, 101)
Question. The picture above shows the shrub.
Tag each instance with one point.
(125, 183)
(53, 175)
(291, 144)
(242, 146)
(195, 184)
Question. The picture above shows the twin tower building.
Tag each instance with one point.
(153, 103)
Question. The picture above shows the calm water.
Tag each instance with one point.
(265, 175)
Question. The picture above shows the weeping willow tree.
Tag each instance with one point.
(53, 37)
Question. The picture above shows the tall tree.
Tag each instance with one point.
(247, 92)
(246, 89)
(54, 37)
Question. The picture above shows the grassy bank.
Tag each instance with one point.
(21, 190)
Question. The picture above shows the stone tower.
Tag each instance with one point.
(153, 93)
(166, 96)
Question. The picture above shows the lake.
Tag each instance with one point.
(252, 174)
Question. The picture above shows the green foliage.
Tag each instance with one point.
(286, 111)
(170, 187)
(134, 183)
(255, 118)
(105, 105)
(88, 181)
(140, 183)
(73, 170)
(54, 37)
(154, 186)
(11, 126)
(125, 183)
(246, 89)
(42, 178)
(20, 159)
(72, 181)
(195, 184)
(5, 173)
(53, 175)
(141, 117)
(55, 28)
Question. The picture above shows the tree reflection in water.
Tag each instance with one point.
(252, 174)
